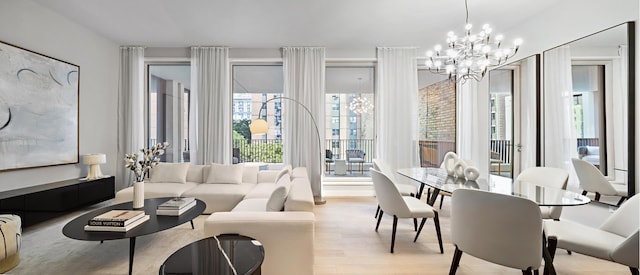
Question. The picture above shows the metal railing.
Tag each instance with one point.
(270, 150)
(588, 142)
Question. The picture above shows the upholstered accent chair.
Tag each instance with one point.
(328, 159)
(392, 203)
(355, 156)
(548, 177)
(591, 180)
(615, 240)
(501, 229)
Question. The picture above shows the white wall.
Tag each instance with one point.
(31, 26)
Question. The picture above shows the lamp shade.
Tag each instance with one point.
(94, 159)
(259, 127)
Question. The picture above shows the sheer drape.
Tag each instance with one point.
(130, 109)
(528, 112)
(210, 124)
(560, 144)
(472, 135)
(304, 72)
(397, 107)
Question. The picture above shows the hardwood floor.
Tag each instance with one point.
(345, 243)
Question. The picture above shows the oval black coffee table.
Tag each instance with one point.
(205, 257)
(75, 228)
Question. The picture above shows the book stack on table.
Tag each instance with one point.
(117, 221)
(176, 206)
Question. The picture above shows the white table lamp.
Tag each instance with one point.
(94, 161)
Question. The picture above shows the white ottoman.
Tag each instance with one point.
(11, 230)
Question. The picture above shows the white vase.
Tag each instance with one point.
(471, 173)
(450, 159)
(138, 194)
(458, 169)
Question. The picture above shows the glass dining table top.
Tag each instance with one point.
(542, 195)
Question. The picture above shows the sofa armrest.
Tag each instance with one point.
(300, 197)
(287, 237)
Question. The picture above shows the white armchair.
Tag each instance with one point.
(615, 240)
(547, 176)
(399, 206)
(591, 180)
(498, 228)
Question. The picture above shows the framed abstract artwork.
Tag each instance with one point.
(38, 109)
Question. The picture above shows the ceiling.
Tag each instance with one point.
(277, 23)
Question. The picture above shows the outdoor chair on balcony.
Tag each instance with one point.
(328, 159)
(355, 156)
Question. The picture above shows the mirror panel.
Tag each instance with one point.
(588, 107)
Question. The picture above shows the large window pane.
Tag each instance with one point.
(253, 85)
(349, 115)
(437, 118)
(168, 108)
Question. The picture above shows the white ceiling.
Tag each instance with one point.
(277, 23)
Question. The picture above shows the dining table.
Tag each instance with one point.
(439, 180)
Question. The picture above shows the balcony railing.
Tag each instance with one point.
(270, 150)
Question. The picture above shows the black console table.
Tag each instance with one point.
(42, 202)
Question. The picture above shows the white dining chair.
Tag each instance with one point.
(406, 189)
(498, 228)
(615, 240)
(393, 203)
(549, 177)
(591, 180)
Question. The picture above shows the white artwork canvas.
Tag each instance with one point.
(38, 109)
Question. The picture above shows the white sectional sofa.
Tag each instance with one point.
(247, 203)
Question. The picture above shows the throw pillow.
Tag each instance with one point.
(169, 172)
(278, 197)
(220, 173)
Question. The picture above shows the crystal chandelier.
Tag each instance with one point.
(360, 105)
(469, 56)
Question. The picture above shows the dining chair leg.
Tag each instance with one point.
(379, 219)
(550, 252)
(415, 224)
(634, 271)
(584, 193)
(436, 220)
(393, 232)
(419, 229)
(377, 212)
(597, 196)
(536, 272)
(456, 261)
(441, 199)
(620, 201)
(527, 271)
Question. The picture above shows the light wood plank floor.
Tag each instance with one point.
(345, 244)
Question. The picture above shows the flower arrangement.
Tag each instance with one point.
(150, 158)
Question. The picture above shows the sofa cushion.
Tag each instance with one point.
(278, 197)
(196, 173)
(251, 205)
(169, 172)
(261, 191)
(220, 173)
(219, 197)
(250, 174)
(156, 190)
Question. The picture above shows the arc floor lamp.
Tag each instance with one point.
(260, 127)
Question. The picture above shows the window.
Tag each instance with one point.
(168, 94)
(344, 128)
(253, 85)
(437, 117)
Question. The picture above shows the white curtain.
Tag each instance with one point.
(528, 112)
(210, 125)
(621, 113)
(472, 137)
(130, 109)
(397, 107)
(560, 144)
(304, 72)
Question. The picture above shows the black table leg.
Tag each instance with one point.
(419, 195)
(433, 197)
(548, 260)
(132, 249)
(192, 227)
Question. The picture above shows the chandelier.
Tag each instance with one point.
(469, 56)
(360, 105)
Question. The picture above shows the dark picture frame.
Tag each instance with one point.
(39, 109)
